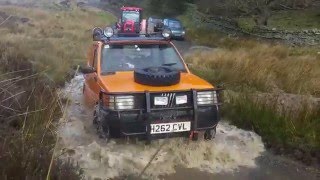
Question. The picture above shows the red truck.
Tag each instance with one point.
(131, 21)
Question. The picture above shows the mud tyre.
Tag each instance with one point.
(210, 134)
(157, 76)
(102, 128)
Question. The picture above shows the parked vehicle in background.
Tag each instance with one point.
(131, 21)
(176, 28)
(155, 24)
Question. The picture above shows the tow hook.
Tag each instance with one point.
(194, 135)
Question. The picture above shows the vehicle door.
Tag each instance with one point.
(91, 79)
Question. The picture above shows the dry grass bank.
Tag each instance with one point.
(53, 39)
(272, 89)
(38, 47)
(263, 67)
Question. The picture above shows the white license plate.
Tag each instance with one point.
(170, 127)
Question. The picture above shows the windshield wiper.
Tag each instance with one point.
(169, 64)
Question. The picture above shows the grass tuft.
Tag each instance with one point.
(283, 133)
(263, 67)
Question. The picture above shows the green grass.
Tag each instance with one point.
(54, 40)
(281, 132)
(287, 20)
(27, 133)
(106, 17)
(271, 72)
(251, 67)
(262, 67)
(246, 24)
(296, 20)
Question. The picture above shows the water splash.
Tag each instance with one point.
(232, 148)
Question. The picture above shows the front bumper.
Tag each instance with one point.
(138, 122)
(178, 36)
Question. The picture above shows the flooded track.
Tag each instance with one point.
(233, 154)
(231, 149)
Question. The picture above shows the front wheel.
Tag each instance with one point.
(102, 128)
(210, 134)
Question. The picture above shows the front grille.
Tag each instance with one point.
(140, 101)
(128, 27)
(171, 99)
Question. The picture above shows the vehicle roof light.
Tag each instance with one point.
(108, 32)
(97, 33)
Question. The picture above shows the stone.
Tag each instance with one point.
(298, 154)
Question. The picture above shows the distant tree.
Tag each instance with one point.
(295, 3)
(260, 10)
(218, 7)
(155, 6)
(168, 7)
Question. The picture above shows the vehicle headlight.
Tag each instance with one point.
(121, 102)
(181, 99)
(207, 98)
(183, 32)
(108, 32)
(166, 33)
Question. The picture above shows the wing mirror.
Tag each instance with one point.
(87, 70)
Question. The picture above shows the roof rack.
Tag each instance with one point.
(100, 35)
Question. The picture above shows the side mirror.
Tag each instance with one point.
(87, 70)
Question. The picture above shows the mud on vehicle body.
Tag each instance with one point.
(142, 88)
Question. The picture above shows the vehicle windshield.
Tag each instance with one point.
(131, 15)
(175, 24)
(155, 20)
(130, 57)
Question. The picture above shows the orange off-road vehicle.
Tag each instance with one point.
(142, 88)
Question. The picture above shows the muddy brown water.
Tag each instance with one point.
(233, 154)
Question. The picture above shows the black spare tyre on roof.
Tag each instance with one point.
(157, 76)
